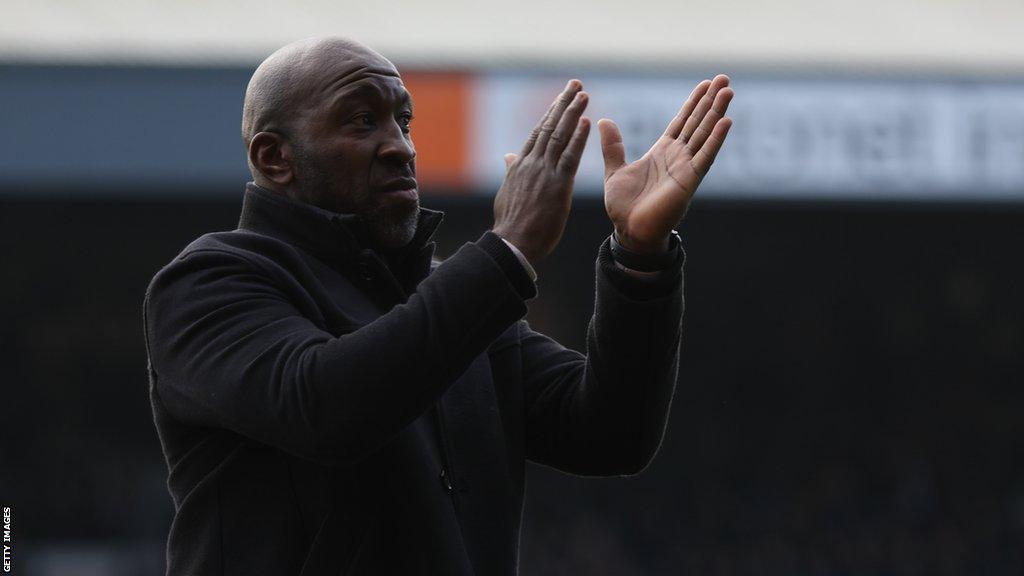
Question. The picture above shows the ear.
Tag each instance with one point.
(271, 155)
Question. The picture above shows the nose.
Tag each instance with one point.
(397, 146)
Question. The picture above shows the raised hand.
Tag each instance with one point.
(533, 203)
(649, 197)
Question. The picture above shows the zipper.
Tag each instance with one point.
(446, 475)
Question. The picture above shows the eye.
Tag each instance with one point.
(405, 121)
(364, 119)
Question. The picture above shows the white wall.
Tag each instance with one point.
(937, 35)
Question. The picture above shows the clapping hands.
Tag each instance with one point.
(644, 199)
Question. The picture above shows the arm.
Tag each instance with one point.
(604, 413)
(231, 350)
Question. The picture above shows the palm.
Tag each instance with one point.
(650, 192)
(647, 198)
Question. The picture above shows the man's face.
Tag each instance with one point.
(353, 154)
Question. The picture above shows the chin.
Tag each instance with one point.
(394, 230)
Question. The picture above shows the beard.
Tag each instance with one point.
(389, 223)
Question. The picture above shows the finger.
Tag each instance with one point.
(704, 157)
(719, 82)
(612, 148)
(509, 159)
(570, 160)
(567, 126)
(531, 141)
(676, 125)
(717, 112)
(551, 121)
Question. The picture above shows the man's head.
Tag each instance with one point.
(326, 122)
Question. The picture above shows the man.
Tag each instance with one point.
(332, 401)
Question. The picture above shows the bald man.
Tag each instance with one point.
(333, 400)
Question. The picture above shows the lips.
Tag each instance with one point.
(399, 184)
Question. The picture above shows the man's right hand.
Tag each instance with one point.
(533, 203)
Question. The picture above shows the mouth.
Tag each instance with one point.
(398, 184)
(406, 187)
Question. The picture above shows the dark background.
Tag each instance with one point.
(849, 398)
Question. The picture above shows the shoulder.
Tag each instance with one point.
(241, 244)
(220, 256)
(234, 248)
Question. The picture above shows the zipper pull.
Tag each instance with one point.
(446, 481)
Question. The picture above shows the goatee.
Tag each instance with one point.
(392, 225)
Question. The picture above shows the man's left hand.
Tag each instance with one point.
(646, 199)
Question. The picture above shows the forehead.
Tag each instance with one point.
(367, 85)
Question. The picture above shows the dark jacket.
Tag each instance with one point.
(324, 411)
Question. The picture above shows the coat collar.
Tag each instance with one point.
(334, 237)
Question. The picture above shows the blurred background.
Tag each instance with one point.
(850, 392)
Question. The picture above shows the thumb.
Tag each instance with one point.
(509, 159)
(611, 147)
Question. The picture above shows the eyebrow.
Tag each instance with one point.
(364, 90)
(359, 90)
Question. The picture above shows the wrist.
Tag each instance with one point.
(498, 249)
(522, 259)
(649, 262)
(644, 248)
(513, 237)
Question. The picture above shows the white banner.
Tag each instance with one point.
(794, 138)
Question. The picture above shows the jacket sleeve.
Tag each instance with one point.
(604, 413)
(230, 350)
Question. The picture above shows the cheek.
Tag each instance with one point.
(351, 166)
(349, 170)
(356, 162)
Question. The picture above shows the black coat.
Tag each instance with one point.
(322, 415)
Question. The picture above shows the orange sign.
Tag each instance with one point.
(442, 109)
